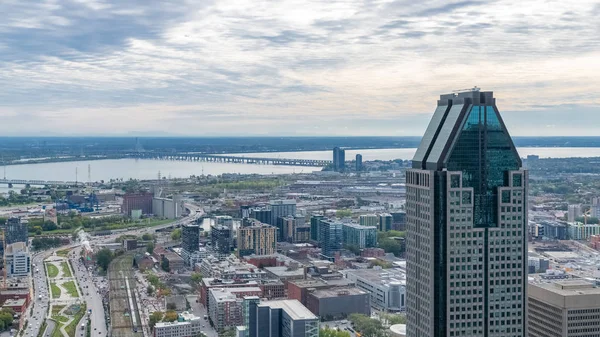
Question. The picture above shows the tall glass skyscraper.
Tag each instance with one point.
(466, 197)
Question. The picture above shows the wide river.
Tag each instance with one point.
(149, 169)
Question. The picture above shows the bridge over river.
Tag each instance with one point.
(11, 182)
(231, 159)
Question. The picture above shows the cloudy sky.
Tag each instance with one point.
(297, 67)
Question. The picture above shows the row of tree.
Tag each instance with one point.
(45, 243)
(6, 318)
(372, 327)
(386, 241)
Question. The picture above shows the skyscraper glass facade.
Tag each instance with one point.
(466, 224)
(330, 237)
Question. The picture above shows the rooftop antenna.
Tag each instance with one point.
(475, 88)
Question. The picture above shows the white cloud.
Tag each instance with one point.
(263, 67)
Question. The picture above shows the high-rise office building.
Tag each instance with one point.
(284, 318)
(359, 236)
(314, 227)
(190, 243)
(358, 162)
(221, 239)
(385, 222)
(257, 238)
(190, 237)
(595, 209)
(574, 212)
(280, 209)
(466, 225)
(294, 229)
(368, 220)
(563, 308)
(398, 220)
(261, 214)
(330, 237)
(17, 259)
(339, 159)
(15, 230)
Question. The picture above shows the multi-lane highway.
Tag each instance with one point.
(88, 284)
(40, 306)
(90, 289)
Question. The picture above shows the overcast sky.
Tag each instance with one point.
(250, 67)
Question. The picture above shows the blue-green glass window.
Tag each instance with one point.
(517, 180)
(484, 155)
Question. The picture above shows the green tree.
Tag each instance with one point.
(153, 279)
(353, 248)
(155, 317)
(103, 258)
(343, 213)
(391, 246)
(170, 316)
(368, 326)
(6, 317)
(196, 278)
(327, 332)
(176, 235)
(227, 333)
(150, 247)
(150, 290)
(147, 237)
(165, 265)
(391, 319)
(382, 264)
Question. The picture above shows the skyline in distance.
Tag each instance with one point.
(292, 68)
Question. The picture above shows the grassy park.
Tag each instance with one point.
(72, 327)
(52, 270)
(65, 269)
(56, 309)
(63, 252)
(71, 288)
(55, 290)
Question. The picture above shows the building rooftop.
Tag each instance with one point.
(15, 248)
(285, 271)
(568, 287)
(292, 307)
(335, 292)
(283, 202)
(14, 302)
(357, 226)
(313, 283)
(167, 324)
(383, 276)
(187, 316)
(216, 282)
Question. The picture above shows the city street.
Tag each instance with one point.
(89, 285)
(200, 311)
(91, 294)
(40, 306)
